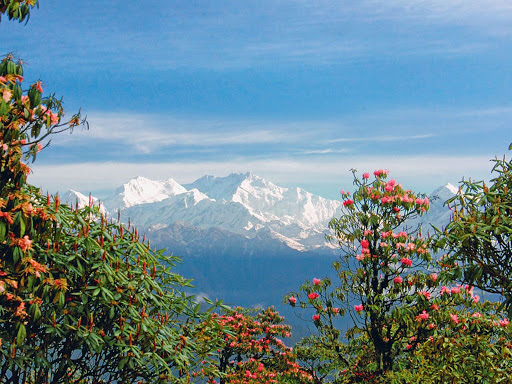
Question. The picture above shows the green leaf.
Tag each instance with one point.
(22, 334)
(2, 232)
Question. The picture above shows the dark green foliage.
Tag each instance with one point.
(479, 237)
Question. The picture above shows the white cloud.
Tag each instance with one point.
(377, 139)
(146, 133)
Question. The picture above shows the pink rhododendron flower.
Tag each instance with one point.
(358, 308)
(348, 203)
(366, 175)
(397, 280)
(292, 300)
(313, 295)
(431, 326)
(3, 80)
(433, 277)
(419, 201)
(476, 299)
(365, 243)
(360, 257)
(422, 316)
(445, 290)
(380, 172)
(425, 294)
(368, 232)
(54, 118)
(434, 307)
(455, 318)
(6, 95)
(316, 317)
(455, 290)
(504, 322)
(316, 281)
(408, 346)
(477, 315)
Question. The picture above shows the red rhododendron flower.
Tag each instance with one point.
(359, 308)
(316, 281)
(37, 86)
(313, 295)
(406, 261)
(316, 317)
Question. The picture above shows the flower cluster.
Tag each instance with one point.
(253, 351)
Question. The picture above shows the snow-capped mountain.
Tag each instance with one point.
(142, 191)
(439, 214)
(74, 197)
(242, 204)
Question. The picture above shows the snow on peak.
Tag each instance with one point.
(141, 190)
(444, 192)
(72, 197)
(220, 188)
(452, 188)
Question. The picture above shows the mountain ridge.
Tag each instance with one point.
(244, 204)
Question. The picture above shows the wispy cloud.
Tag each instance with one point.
(377, 139)
(147, 133)
(152, 138)
(322, 151)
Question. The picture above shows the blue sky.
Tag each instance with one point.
(297, 92)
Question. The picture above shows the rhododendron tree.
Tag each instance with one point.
(82, 298)
(252, 350)
(479, 236)
(385, 274)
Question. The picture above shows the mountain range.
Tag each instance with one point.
(242, 208)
